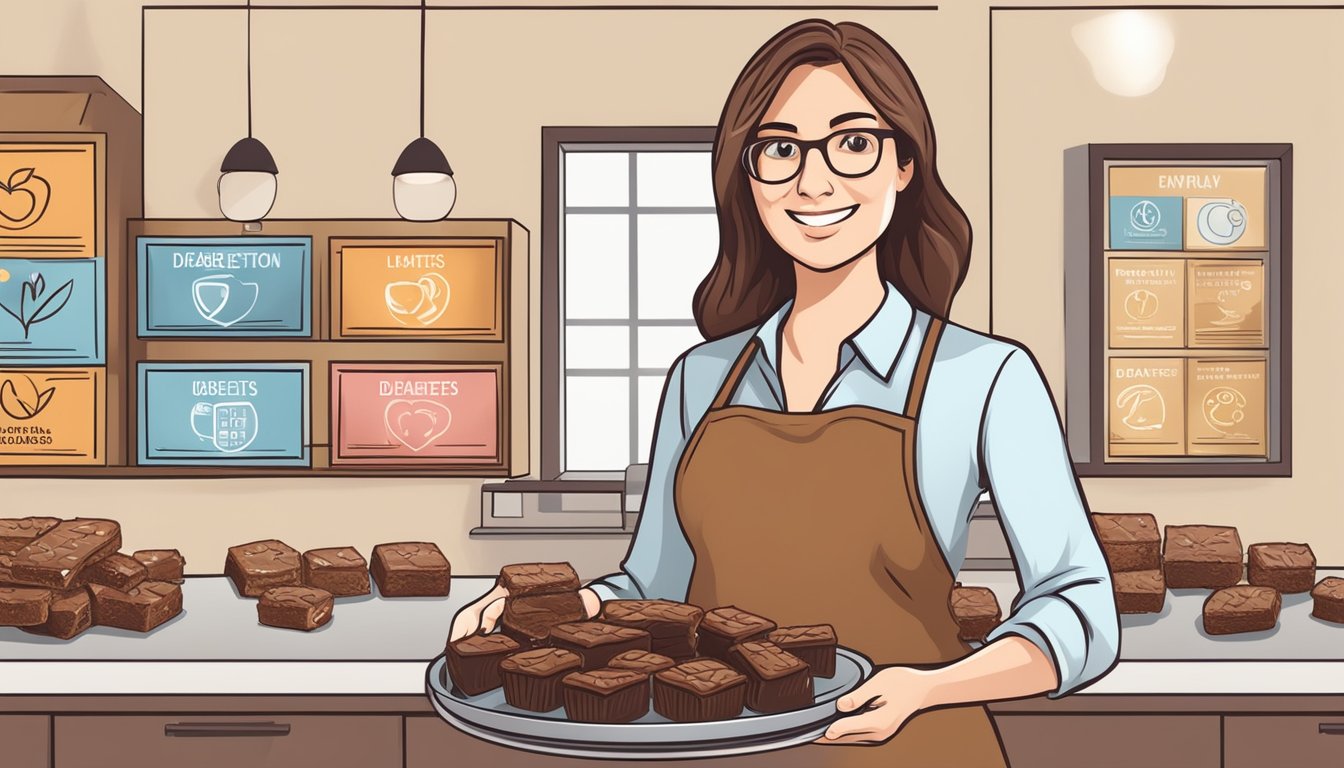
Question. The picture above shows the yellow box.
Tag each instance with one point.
(52, 416)
(48, 199)
(1147, 302)
(1146, 410)
(447, 288)
(1228, 407)
(1227, 303)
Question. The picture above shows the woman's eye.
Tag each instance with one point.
(781, 150)
(856, 143)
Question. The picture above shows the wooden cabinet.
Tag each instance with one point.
(1302, 741)
(26, 740)
(1100, 741)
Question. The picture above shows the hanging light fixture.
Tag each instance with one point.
(247, 181)
(422, 181)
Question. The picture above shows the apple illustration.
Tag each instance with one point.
(23, 199)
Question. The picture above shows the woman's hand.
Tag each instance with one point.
(483, 614)
(893, 695)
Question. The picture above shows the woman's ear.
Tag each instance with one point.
(904, 173)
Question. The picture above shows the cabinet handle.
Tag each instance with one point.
(1334, 729)
(226, 729)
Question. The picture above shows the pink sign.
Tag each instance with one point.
(391, 413)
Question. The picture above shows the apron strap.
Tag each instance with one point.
(735, 375)
(920, 380)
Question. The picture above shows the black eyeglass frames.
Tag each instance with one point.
(850, 153)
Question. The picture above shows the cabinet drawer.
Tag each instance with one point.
(209, 741)
(1102, 741)
(1302, 741)
(25, 740)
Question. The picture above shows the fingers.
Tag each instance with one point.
(592, 604)
(490, 616)
(868, 694)
(468, 619)
(872, 726)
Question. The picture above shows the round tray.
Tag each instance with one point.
(651, 737)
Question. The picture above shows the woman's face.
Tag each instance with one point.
(822, 218)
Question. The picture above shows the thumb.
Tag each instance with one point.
(490, 616)
(859, 698)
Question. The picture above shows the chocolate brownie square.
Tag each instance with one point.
(474, 660)
(642, 661)
(529, 619)
(411, 569)
(1129, 542)
(1242, 608)
(70, 613)
(538, 578)
(976, 611)
(1139, 591)
(606, 695)
(139, 609)
(162, 564)
(56, 558)
(259, 565)
(777, 681)
(699, 690)
(341, 571)
(23, 606)
(301, 608)
(6, 575)
(1327, 600)
(1201, 556)
(597, 642)
(724, 627)
(18, 532)
(813, 643)
(672, 626)
(1284, 566)
(118, 571)
(532, 678)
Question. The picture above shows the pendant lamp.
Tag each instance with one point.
(422, 181)
(247, 180)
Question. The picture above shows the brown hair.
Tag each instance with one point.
(927, 246)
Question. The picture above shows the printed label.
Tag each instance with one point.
(1147, 302)
(1227, 412)
(1146, 406)
(51, 312)
(1149, 223)
(1227, 303)
(447, 289)
(47, 199)
(51, 416)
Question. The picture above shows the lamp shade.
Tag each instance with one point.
(422, 185)
(247, 182)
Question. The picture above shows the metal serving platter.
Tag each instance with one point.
(652, 737)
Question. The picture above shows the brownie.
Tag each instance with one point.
(18, 532)
(473, 661)
(70, 613)
(6, 573)
(162, 564)
(976, 611)
(140, 609)
(302, 608)
(56, 558)
(1283, 566)
(1327, 600)
(1242, 608)
(341, 571)
(672, 627)
(23, 606)
(1130, 542)
(597, 642)
(1139, 591)
(1201, 556)
(538, 578)
(814, 644)
(606, 695)
(642, 661)
(118, 571)
(532, 678)
(259, 565)
(698, 690)
(724, 627)
(410, 569)
(777, 681)
(529, 619)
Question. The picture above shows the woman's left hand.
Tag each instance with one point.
(893, 695)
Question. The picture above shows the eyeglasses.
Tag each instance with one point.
(849, 153)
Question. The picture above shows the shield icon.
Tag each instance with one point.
(231, 427)
(223, 299)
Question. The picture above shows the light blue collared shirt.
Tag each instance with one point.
(987, 423)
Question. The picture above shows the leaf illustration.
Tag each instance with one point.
(41, 284)
(54, 303)
(43, 398)
(12, 313)
(20, 177)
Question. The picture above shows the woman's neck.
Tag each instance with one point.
(838, 300)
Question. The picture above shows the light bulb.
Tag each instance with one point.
(422, 182)
(247, 182)
(1129, 50)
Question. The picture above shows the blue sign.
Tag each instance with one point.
(225, 414)
(1146, 223)
(51, 312)
(220, 286)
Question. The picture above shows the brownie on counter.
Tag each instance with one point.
(814, 644)
(1130, 542)
(1201, 556)
(1139, 591)
(777, 681)
(410, 569)
(139, 609)
(642, 661)
(597, 642)
(532, 678)
(1286, 567)
(56, 558)
(672, 626)
(18, 532)
(538, 578)
(474, 660)
(529, 619)
(6, 575)
(699, 690)
(724, 627)
(1241, 608)
(342, 571)
(117, 570)
(976, 611)
(259, 565)
(161, 564)
(1327, 600)
(23, 606)
(606, 695)
(70, 613)
(301, 608)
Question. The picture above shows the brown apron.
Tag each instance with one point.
(815, 518)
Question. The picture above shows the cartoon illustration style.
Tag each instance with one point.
(26, 404)
(224, 299)
(229, 427)
(36, 305)
(423, 301)
(23, 199)
(416, 424)
(1143, 406)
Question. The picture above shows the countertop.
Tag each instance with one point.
(376, 645)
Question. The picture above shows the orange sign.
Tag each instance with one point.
(448, 289)
(48, 195)
(51, 416)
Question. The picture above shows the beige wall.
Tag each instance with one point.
(335, 98)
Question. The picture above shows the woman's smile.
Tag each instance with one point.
(823, 218)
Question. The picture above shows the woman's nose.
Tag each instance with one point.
(815, 179)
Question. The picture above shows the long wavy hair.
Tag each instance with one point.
(926, 248)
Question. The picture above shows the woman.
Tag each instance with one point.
(817, 460)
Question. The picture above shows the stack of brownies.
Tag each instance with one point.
(1132, 545)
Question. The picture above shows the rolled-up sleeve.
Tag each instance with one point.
(1066, 605)
(660, 560)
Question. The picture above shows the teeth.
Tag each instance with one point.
(822, 219)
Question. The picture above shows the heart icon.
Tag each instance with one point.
(416, 424)
(23, 199)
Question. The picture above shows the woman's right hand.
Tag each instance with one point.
(481, 615)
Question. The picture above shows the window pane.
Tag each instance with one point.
(597, 178)
(597, 347)
(660, 345)
(597, 423)
(674, 178)
(597, 266)
(650, 390)
(675, 253)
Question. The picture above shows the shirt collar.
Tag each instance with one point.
(877, 342)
